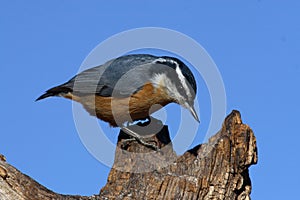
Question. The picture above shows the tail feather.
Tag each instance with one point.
(56, 91)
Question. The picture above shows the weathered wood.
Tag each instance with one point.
(15, 185)
(214, 170)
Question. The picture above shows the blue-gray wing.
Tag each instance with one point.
(120, 77)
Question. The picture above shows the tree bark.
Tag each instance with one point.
(214, 170)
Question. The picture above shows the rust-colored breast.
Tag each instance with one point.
(116, 111)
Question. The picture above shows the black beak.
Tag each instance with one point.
(194, 113)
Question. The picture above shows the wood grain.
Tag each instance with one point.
(217, 169)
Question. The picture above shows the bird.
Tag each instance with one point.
(127, 88)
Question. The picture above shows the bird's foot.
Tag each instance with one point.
(138, 138)
(125, 142)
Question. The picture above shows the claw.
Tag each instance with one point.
(139, 139)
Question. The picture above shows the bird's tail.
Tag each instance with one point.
(55, 91)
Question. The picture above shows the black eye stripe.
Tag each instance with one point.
(189, 77)
(180, 88)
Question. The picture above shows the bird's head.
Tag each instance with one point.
(178, 82)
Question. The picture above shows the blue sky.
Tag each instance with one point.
(255, 45)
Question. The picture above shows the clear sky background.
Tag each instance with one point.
(255, 45)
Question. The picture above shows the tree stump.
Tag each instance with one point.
(214, 170)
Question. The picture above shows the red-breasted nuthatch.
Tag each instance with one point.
(126, 89)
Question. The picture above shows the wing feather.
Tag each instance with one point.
(120, 77)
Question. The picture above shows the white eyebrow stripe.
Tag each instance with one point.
(159, 60)
(179, 74)
(183, 80)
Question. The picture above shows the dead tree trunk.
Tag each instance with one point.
(214, 170)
